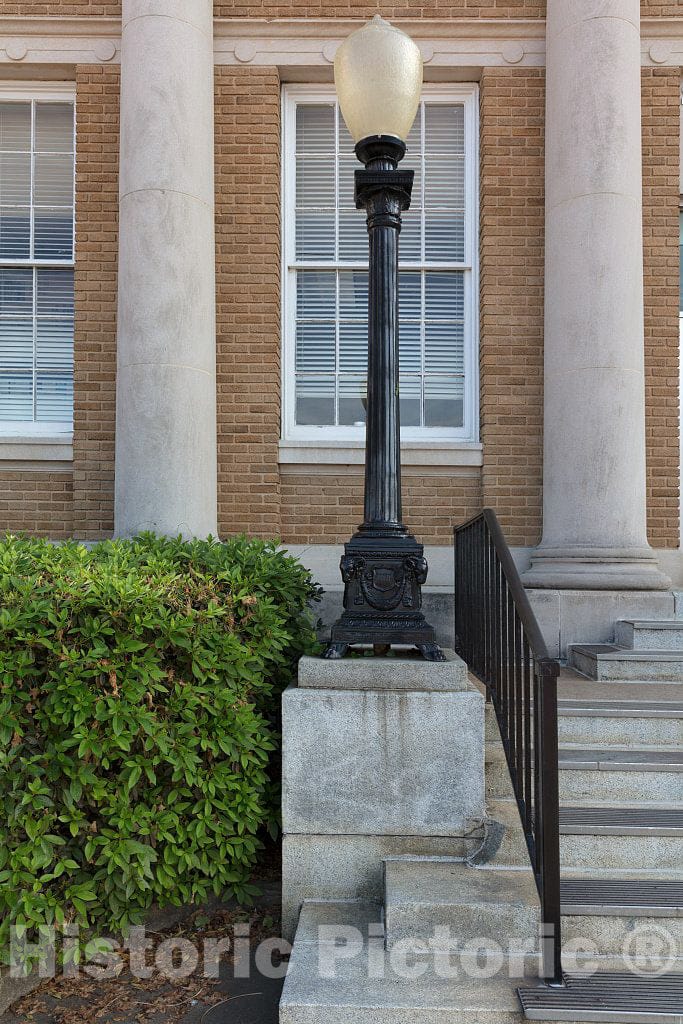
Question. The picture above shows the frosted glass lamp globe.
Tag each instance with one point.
(378, 77)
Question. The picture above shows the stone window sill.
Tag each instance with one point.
(36, 447)
(345, 453)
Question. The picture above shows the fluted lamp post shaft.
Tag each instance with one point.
(383, 566)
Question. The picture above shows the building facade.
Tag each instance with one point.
(183, 304)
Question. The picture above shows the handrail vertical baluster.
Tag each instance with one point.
(510, 723)
(519, 705)
(528, 753)
(536, 741)
(487, 619)
(504, 644)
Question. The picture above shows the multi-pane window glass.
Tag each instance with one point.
(36, 261)
(330, 261)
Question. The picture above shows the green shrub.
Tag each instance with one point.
(139, 681)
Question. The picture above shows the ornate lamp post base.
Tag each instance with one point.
(382, 577)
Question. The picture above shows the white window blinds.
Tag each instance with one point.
(326, 286)
(36, 261)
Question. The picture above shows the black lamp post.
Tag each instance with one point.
(378, 72)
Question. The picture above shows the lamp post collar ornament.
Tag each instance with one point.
(378, 75)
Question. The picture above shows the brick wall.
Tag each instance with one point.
(363, 10)
(36, 8)
(661, 183)
(36, 502)
(511, 346)
(97, 145)
(347, 9)
(325, 508)
(248, 298)
(306, 8)
(660, 8)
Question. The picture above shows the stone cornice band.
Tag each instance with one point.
(311, 43)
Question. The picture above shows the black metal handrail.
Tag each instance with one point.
(497, 634)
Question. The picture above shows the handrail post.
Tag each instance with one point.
(550, 821)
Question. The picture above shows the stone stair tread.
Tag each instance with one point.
(630, 874)
(654, 623)
(612, 652)
(618, 759)
(642, 820)
(622, 998)
(570, 675)
(612, 708)
(583, 689)
(356, 913)
(622, 896)
(418, 880)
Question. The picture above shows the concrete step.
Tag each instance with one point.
(638, 820)
(613, 935)
(513, 851)
(609, 661)
(595, 714)
(424, 899)
(497, 773)
(598, 717)
(619, 998)
(600, 839)
(622, 838)
(620, 775)
(649, 634)
(578, 688)
(609, 912)
(358, 981)
(615, 913)
(622, 896)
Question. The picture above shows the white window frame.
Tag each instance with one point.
(324, 436)
(25, 438)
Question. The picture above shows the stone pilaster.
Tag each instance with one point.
(594, 498)
(166, 376)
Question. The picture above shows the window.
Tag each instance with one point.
(325, 273)
(36, 260)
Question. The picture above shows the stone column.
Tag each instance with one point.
(594, 495)
(166, 377)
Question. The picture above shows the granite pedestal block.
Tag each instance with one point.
(383, 747)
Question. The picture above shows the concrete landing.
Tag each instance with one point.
(357, 981)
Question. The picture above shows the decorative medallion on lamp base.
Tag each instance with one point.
(383, 567)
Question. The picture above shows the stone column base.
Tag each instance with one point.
(595, 569)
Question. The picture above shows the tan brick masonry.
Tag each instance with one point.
(661, 183)
(511, 344)
(97, 148)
